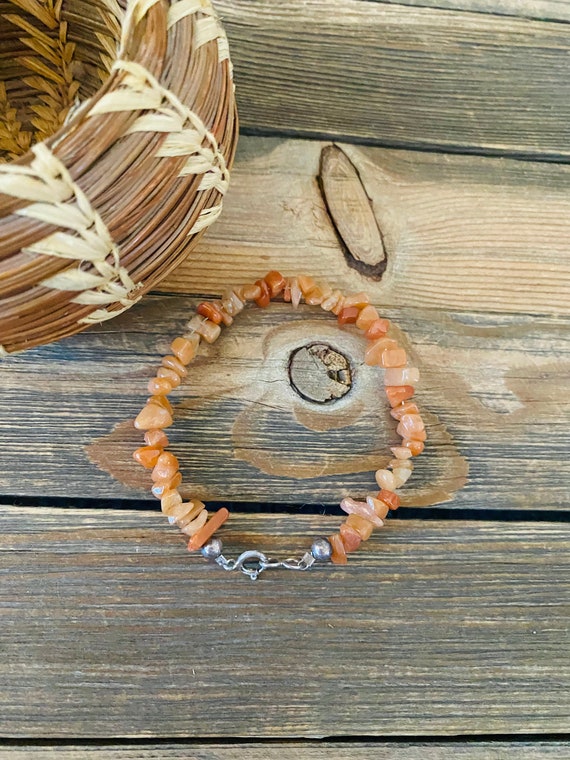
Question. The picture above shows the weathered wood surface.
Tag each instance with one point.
(397, 74)
(499, 750)
(474, 246)
(109, 628)
(462, 233)
(494, 391)
(542, 10)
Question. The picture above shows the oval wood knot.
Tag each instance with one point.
(320, 373)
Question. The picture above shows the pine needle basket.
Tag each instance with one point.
(118, 128)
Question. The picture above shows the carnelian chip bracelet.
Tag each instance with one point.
(399, 379)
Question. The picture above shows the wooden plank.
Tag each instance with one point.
(433, 750)
(494, 396)
(541, 10)
(458, 233)
(401, 75)
(110, 629)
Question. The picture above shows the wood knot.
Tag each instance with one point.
(319, 373)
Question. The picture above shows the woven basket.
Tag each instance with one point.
(117, 130)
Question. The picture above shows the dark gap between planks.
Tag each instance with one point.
(463, 150)
(404, 513)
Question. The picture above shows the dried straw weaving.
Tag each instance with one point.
(117, 132)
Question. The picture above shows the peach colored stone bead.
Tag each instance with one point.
(367, 316)
(264, 299)
(338, 307)
(380, 507)
(147, 456)
(405, 463)
(166, 467)
(350, 538)
(162, 486)
(210, 311)
(407, 407)
(161, 401)
(361, 525)
(401, 476)
(207, 531)
(394, 357)
(410, 423)
(176, 511)
(184, 348)
(173, 363)
(401, 376)
(392, 499)
(305, 283)
(373, 353)
(195, 525)
(414, 435)
(209, 330)
(360, 300)
(377, 329)
(250, 292)
(170, 500)
(227, 319)
(159, 386)
(348, 315)
(296, 293)
(276, 282)
(416, 447)
(400, 452)
(157, 438)
(398, 393)
(170, 375)
(385, 479)
(287, 291)
(153, 416)
(329, 302)
(232, 303)
(194, 508)
(316, 295)
(338, 555)
(352, 507)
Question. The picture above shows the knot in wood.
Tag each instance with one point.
(319, 373)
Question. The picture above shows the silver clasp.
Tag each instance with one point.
(252, 563)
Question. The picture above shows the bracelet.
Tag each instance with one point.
(363, 516)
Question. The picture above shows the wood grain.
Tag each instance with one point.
(325, 750)
(109, 628)
(541, 10)
(396, 74)
(460, 233)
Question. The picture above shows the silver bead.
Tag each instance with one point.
(212, 549)
(321, 549)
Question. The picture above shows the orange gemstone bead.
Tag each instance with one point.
(147, 456)
(379, 507)
(207, 531)
(170, 375)
(153, 416)
(161, 486)
(194, 508)
(348, 315)
(156, 438)
(350, 538)
(412, 426)
(394, 357)
(305, 283)
(196, 524)
(416, 447)
(170, 501)
(373, 354)
(173, 363)
(407, 407)
(161, 401)
(250, 292)
(367, 316)
(265, 297)
(329, 303)
(159, 386)
(166, 467)
(362, 508)
(390, 498)
(276, 282)
(361, 525)
(401, 452)
(210, 311)
(360, 300)
(398, 393)
(185, 348)
(338, 555)
(377, 329)
(402, 376)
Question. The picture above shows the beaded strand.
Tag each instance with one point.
(399, 380)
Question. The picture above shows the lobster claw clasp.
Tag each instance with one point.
(252, 563)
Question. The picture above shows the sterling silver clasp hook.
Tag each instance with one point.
(252, 563)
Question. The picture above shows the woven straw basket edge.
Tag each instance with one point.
(94, 216)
